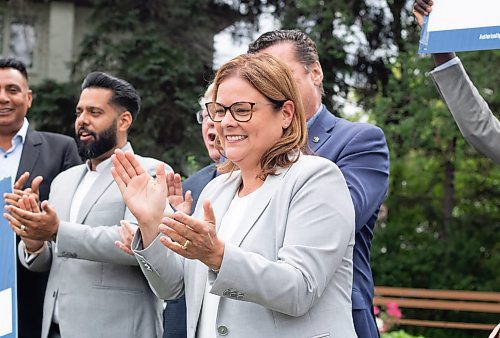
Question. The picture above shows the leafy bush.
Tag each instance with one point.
(398, 334)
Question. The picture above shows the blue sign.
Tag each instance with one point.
(8, 301)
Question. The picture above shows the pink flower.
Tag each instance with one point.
(387, 316)
(392, 305)
(394, 313)
(393, 310)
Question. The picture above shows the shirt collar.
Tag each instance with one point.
(100, 167)
(21, 133)
(315, 116)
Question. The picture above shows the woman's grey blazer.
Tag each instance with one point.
(471, 113)
(289, 273)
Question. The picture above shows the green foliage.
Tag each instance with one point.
(53, 107)
(355, 40)
(147, 43)
(398, 334)
(443, 224)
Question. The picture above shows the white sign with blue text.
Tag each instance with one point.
(459, 25)
(8, 310)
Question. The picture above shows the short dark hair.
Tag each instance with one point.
(305, 48)
(15, 64)
(124, 94)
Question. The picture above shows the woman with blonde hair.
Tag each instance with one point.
(259, 257)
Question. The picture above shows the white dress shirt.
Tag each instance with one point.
(226, 231)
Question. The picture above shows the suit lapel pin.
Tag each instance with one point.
(315, 139)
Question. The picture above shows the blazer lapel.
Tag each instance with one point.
(259, 203)
(225, 199)
(30, 153)
(64, 204)
(320, 131)
(102, 183)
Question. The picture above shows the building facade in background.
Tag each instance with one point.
(45, 35)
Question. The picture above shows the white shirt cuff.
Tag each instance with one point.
(447, 64)
(30, 256)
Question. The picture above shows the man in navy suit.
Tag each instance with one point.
(174, 316)
(22, 150)
(358, 149)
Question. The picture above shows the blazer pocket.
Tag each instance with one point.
(119, 289)
(322, 335)
(108, 206)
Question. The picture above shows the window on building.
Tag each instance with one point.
(1, 32)
(22, 41)
(18, 38)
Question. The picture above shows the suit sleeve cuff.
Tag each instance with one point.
(447, 64)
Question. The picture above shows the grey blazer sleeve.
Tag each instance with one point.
(92, 243)
(163, 268)
(97, 243)
(470, 111)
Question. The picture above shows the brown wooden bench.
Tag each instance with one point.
(470, 301)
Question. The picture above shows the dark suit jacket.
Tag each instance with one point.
(44, 154)
(360, 151)
(174, 316)
(198, 181)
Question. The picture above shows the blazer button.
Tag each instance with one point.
(222, 330)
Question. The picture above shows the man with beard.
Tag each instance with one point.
(92, 282)
(24, 149)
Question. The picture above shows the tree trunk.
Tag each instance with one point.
(448, 186)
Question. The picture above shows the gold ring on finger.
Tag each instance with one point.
(185, 246)
(22, 227)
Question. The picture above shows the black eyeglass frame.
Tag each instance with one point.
(275, 103)
(252, 104)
